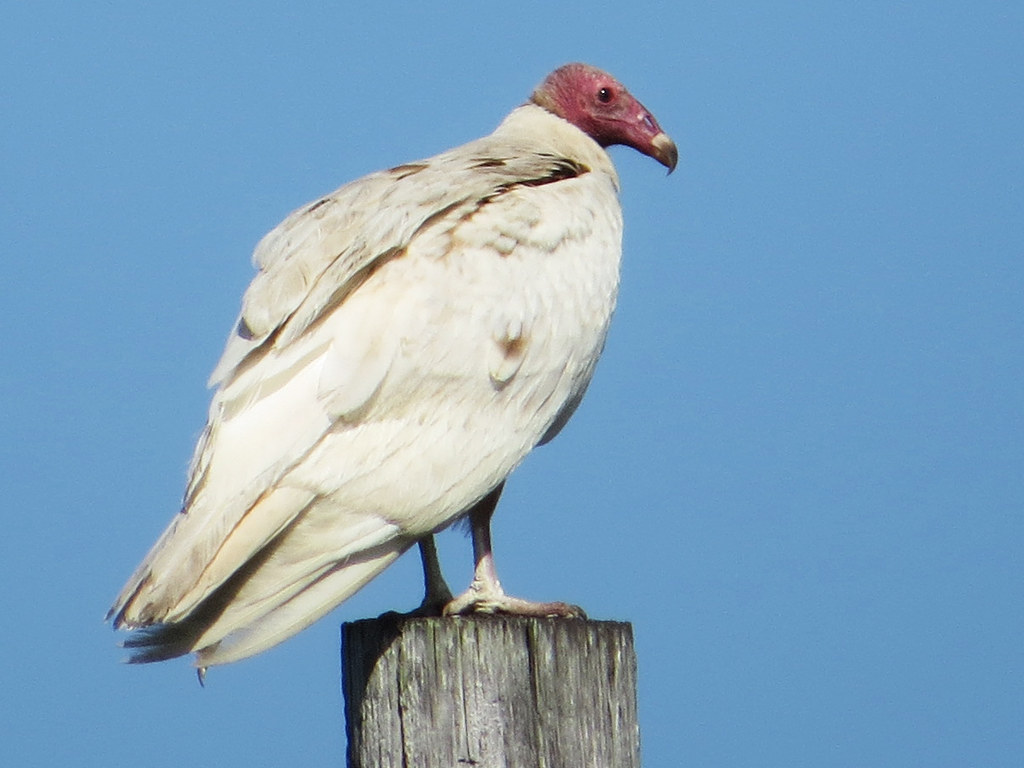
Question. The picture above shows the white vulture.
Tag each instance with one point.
(408, 339)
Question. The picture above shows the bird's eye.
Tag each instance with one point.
(604, 95)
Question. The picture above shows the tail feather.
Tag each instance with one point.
(158, 643)
(301, 610)
(277, 593)
(167, 640)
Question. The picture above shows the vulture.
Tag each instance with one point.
(407, 340)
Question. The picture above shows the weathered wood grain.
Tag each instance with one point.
(490, 691)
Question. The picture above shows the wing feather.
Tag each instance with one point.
(322, 252)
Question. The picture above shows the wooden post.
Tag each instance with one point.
(489, 691)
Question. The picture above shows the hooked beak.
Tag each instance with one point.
(663, 149)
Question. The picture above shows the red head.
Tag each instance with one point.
(598, 104)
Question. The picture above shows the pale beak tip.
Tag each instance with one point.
(664, 151)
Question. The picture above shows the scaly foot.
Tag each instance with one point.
(482, 597)
(485, 594)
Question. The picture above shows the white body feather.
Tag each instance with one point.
(407, 341)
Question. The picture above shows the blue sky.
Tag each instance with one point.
(800, 468)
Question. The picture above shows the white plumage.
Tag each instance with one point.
(407, 340)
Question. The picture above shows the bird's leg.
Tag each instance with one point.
(436, 593)
(485, 594)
